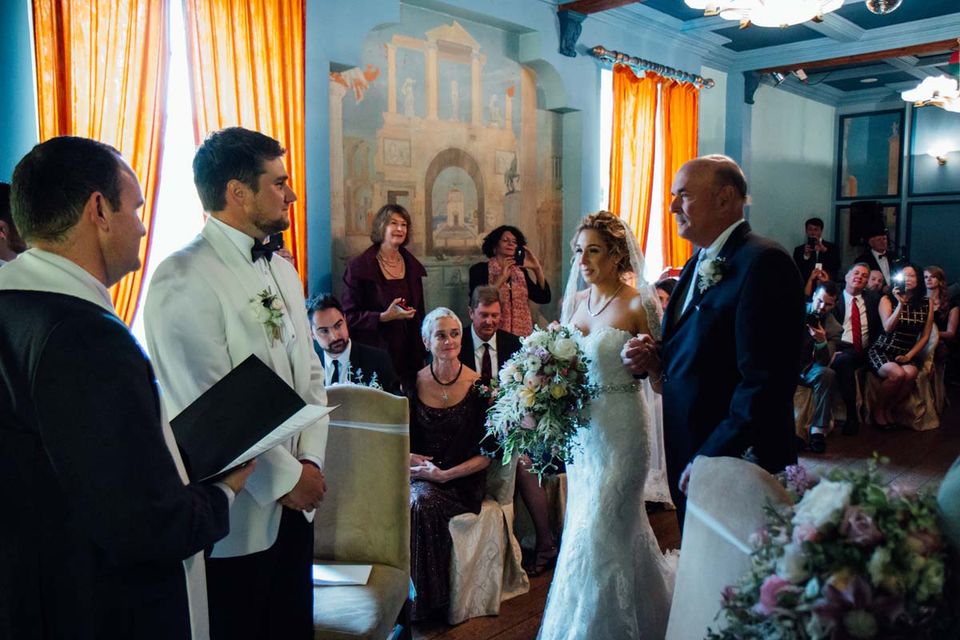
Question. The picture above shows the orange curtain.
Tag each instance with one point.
(633, 148)
(246, 62)
(681, 104)
(101, 74)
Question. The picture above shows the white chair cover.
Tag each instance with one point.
(725, 505)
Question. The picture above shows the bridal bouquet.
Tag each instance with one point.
(541, 399)
(853, 558)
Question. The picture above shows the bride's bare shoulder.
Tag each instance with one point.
(638, 310)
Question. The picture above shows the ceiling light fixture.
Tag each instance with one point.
(778, 78)
(767, 13)
(867, 80)
(883, 7)
(940, 91)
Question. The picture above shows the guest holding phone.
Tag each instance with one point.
(907, 316)
(383, 292)
(518, 275)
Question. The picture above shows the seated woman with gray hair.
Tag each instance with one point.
(447, 466)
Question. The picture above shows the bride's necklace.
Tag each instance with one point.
(605, 304)
(443, 392)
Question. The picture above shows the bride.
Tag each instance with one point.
(611, 581)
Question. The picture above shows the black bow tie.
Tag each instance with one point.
(881, 255)
(266, 250)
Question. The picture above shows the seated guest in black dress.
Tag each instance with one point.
(907, 317)
(946, 313)
(447, 469)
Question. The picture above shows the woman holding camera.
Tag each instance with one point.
(907, 316)
(515, 271)
(383, 292)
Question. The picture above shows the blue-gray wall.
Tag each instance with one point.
(18, 114)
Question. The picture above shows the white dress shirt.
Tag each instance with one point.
(848, 326)
(709, 253)
(343, 358)
(884, 263)
(478, 352)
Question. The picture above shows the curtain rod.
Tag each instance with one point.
(618, 57)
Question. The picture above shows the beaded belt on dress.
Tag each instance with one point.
(628, 387)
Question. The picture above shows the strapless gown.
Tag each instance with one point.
(611, 581)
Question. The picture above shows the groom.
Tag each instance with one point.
(728, 363)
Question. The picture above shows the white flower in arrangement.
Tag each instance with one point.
(792, 566)
(711, 272)
(268, 310)
(564, 349)
(824, 504)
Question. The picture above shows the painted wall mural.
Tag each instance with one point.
(441, 120)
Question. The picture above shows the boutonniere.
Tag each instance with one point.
(711, 272)
(268, 309)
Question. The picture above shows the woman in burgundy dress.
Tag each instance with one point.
(447, 467)
(383, 292)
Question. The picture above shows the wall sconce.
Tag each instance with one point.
(939, 154)
(778, 78)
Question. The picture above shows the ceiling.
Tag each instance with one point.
(853, 56)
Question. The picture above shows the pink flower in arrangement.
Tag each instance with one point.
(759, 538)
(528, 422)
(769, 591)
(798, 480)
(858, 527)
(805, 533)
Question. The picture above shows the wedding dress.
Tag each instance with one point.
(611, 581)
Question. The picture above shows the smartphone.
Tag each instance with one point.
(811, 242)
(813, 320)
(818, 266)
(518, 256)
(403, 305)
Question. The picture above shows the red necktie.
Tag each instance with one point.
(486, 366)
(855, 327)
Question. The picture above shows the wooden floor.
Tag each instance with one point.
(917, 460)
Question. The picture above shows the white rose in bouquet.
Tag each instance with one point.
(564, 349)
(824, 504)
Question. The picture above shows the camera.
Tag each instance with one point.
(812, 242)
(518, 256)
(813, 320)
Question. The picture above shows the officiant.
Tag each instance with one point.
(102, 535)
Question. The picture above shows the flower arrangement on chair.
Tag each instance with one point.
(541, 399)
(853, 558)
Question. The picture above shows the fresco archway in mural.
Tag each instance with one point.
(455, 224)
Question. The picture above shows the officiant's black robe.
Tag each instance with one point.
(96, 520)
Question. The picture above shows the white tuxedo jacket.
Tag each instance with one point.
(200, 324)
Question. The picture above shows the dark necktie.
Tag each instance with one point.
(257, 251)
(855, 328)
(486, 365)
(336, 372)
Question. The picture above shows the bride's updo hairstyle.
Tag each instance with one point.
(614, 234)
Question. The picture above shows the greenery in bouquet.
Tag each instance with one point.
(541, 399)
(852, 558)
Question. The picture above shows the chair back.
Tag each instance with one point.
(725, 504)
(365, 515)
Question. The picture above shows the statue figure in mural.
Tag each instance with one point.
(511, 176)
(494, 112)
(406, 91)
(454, 101)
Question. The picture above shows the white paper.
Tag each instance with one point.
(290, 427)
(328, 575)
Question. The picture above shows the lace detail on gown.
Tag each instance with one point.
(611, 581)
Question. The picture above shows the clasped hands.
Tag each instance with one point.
(421, 468)
(308, 493)
(641, 356)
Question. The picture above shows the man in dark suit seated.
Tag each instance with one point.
(816, 251)
(343, 359)
(858, 313)
(485, 348)
(821, 337)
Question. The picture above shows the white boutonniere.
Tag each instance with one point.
(268, 309)
(710, 272)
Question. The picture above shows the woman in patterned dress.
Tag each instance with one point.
(907, 316)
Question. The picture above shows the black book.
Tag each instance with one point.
(249, 411)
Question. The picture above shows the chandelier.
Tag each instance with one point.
(766, 13)
(939, 91)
